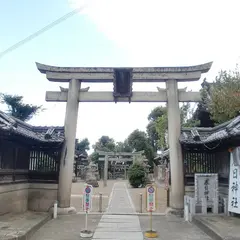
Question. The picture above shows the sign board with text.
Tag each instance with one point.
(206, 186)
(151, 194)
(234, 184)
(87, 197)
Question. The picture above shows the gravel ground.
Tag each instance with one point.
(161, 199)
(77, 190)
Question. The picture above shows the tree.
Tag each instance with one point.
(161, 128)
(186, 115)
(137, 175)
(224, 98)
(94, 157)
(123, 146)
(83, 146)
(138, 141)
(156, 113)
(151, 127)
(105, 143)
(202, 113)
(162, 123)
(18, 109)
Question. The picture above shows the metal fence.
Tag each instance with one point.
(206, 162)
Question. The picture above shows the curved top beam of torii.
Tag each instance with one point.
(105, 74)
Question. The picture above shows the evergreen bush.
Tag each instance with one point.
(137, 175)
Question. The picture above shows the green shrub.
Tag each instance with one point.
(137, 175)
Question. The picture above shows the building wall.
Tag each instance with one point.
(13, 198)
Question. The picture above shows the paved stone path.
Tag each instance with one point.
(119, 227)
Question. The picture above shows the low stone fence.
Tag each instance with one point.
(192, 208)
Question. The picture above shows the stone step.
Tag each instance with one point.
(21, 226)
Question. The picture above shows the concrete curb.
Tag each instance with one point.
(206, 228)
(28, 234)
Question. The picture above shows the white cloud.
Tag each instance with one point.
(153, 33)
(173, 32)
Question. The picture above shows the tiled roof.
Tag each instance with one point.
(201, 135)
(207, 135)
(39, 133)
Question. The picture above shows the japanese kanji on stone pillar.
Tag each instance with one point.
(122, 79)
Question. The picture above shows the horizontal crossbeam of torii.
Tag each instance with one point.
(122, 79)
(160, 96)
(113, 154)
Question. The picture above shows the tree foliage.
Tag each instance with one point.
(151, 127)
(223, 99)
(202, 113)
(161, 128)
(105, 143)
(18, 109)
(83, 146)
(94, 157)
(162, 124)
(123, 146)
(139, 141)
(156, 113)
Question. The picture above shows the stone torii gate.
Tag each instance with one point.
(122, 79)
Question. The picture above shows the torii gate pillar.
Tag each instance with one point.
(68, 151)
(175, 152)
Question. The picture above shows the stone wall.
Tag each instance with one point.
(27, 196)
(41, 197)
(13, 198)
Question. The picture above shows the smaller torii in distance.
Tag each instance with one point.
(122, 79)
(115, 155)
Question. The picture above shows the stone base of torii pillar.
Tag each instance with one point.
(64, 211)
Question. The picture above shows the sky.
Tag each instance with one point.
(112, 33)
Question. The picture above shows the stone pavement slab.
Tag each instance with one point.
(120, 201)
(21, 226)
(66, 227)
(219, 227)
(119, 227)
(173, 228)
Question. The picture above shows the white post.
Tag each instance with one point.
(186, 212)
(225, 206)
(67, 158)
(105, 171)
(55, 210)
(175, 153)
(86, 221)
(215, 205)
(204, 205)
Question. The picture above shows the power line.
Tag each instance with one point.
(44, 29)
